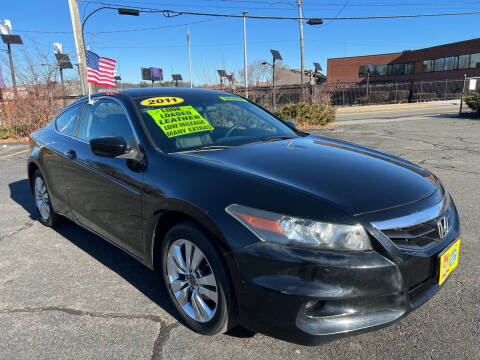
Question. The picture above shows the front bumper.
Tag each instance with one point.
(313, 297)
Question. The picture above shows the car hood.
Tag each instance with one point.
(356, 179)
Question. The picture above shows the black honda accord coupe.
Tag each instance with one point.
(247, 220)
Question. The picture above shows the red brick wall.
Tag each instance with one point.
(346, 69)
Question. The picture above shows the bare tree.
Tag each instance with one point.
(258, 72)
(38, 97)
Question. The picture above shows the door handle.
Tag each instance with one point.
(71, 154)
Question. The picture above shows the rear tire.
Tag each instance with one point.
(196, 280)
(47, 215)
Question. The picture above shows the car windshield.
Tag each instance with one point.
(208, 121)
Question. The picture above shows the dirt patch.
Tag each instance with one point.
(328, 126)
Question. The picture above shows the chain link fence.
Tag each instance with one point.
(354, 94)
(348, 94)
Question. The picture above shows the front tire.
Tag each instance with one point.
(196, 280)
(47, 215)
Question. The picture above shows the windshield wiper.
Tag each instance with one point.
(275, 138)
(271, 138)
(206, 148)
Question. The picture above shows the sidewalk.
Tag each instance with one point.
(444, 105)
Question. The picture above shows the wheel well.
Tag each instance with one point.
(165, 222)
(31, 169)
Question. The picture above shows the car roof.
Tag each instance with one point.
(162, 91)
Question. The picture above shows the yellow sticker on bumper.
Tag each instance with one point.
(448, 261)
(179, 120)
(162, 101)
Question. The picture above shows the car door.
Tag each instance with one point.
(106, 193)
(57, 142)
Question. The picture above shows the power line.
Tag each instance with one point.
(175, 13)
(338, 13)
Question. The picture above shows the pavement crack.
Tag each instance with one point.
(70, 311)
(162, 336)
(25, 226)
(161, 339)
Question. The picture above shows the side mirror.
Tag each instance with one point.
(109, 146)
(291, 123)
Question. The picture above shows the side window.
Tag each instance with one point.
(104, 118)
(67, 122)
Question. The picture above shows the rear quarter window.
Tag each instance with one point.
(67, 122)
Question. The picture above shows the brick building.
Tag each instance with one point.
(444, 62)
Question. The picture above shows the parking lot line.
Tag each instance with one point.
(13, 154)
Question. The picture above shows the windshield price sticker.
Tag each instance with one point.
(179, 120)
(161, 101)
(232, 98)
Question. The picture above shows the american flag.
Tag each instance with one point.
(101, 70)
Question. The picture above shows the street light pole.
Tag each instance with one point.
(300, 22)
(368, 80)
(273, 84)
(189, 56)
(63, 85)
(245, 72)
(12, 69)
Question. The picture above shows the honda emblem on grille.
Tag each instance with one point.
(443, 227)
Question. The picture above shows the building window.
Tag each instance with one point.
(427, 65)
(464, 61)
(475, 61)
(439, 64)
(362, 71)
(409, 68)
(398, 69)
(381, 70)
(449, 63)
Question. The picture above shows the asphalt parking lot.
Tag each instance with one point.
(66, 293)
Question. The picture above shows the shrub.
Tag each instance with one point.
(473, 102)
(20, 117)
(402, 95)
(3, 132)
(362, 100)
(379, 96)
(307, 114)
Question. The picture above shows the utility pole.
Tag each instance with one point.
(79, 43)
(245, 72)
(300, 22)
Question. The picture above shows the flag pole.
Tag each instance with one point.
(89, 92)
(189, 55)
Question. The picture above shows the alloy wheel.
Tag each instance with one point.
(192, 281)
(41, 198)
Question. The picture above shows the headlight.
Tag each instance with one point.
(282, 229)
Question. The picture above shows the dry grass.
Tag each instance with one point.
(20, 117)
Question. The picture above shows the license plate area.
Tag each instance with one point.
(448, 260)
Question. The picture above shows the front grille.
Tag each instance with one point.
(420, 236)
(417, 236)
